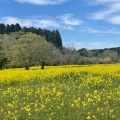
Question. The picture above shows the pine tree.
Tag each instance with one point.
(57, 39)
(12, 28)
(17, 27)
(2, 27)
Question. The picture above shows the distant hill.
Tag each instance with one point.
(100, 56)
(115, 49)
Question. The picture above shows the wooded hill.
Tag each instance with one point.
(53, 37)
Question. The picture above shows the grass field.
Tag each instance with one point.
(90, 92)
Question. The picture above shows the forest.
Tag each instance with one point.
(26, 47)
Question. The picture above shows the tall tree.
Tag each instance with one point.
(2, 27)
(31, 49)
(17, 27)
(39, 31)
(43, 53)
(12, 28)
(8, 28)
(57, 39)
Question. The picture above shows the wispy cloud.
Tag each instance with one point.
(44, 22)
(98, 31)
(115, 19)
(69, 20)
(109, 13)
(105, 1)
(30, 22)
(42, 2)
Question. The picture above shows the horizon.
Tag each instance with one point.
(85, 24)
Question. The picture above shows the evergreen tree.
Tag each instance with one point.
(31, 29)
(46, 33)
(12, 28)
(17, 27)
(8, 28)
(24, 29)
(2, 27)
(57, 39)
(39, 31)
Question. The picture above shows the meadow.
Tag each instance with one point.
(77, 92)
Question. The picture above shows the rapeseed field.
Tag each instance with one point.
(89, 92)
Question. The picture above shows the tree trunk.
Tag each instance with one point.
(27, 67)
(1, 66)
(43, 64)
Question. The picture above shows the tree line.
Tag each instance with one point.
(25, 49)
(53, 37)
(29, 49)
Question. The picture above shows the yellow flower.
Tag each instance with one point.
(9, 112)
(111, 111)
(87, 94)
(72, 105)
(108, 97)
(95, 91)
(59, 93)
(10, 105)
(88, 118)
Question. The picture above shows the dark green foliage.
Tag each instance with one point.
(12, 28)
(8, 28)
(57, 39)
(17, 27)
(2, 28)
(39, 31)
(53, 37)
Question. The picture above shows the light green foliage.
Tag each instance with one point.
(31, 49)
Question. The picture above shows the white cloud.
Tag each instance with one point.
(29, 22)
(69, 20)
(115, 19)
(109, 13)
(42, 22)
(42, 2)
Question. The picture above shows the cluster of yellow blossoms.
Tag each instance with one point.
(90, 92)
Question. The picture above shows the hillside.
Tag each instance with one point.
(53, 37)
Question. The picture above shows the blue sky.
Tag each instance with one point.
(91, 24)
